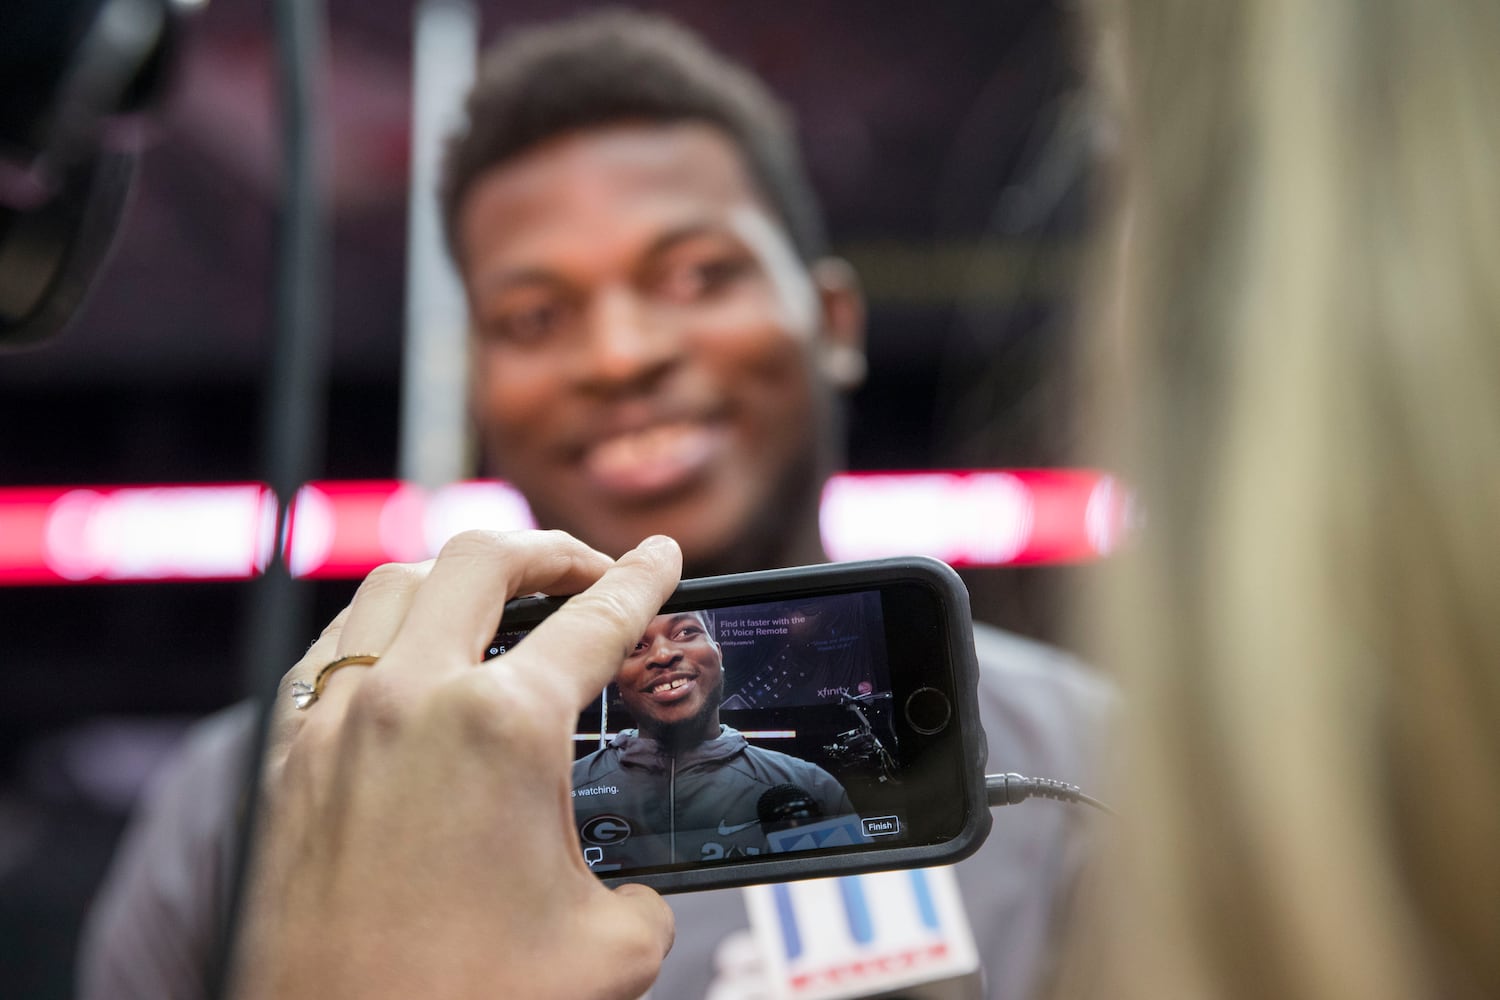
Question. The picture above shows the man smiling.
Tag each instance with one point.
(683, 786)
(673, 681)
(660, 341)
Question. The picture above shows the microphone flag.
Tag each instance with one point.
(871, 935)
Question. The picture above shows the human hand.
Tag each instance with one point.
(419, 836)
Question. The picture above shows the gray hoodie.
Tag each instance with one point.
(639, 804)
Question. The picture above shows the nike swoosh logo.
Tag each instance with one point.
(725, 829)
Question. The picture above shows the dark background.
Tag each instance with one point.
(947, 141)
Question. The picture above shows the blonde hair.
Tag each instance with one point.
(1303, 381)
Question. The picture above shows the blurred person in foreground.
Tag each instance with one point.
(661, 345)
(1304, 382)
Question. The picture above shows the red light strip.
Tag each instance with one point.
(120, 533)
(59, 535)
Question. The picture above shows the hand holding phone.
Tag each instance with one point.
(411, 843)
(781, 725)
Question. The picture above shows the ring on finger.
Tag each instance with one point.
(304, 694)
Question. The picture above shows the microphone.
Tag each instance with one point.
(784, 806)
(856, 936)
(901, 933)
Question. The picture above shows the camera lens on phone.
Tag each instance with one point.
(928, 710)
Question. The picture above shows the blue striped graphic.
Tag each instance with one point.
(856, 910)
(791, 937)
(923, 893)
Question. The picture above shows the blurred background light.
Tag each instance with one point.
(342, 530)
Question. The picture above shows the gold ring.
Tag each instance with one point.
(304, 694)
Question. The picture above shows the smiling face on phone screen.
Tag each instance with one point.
(673, 680)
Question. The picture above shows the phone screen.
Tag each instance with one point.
(751, 731)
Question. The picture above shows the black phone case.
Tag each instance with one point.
(808, 581)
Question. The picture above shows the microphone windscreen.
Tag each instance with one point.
(787, 803)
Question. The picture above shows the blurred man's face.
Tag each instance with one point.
(647, 345)
(673, 680)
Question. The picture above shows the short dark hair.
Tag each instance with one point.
(617, 66)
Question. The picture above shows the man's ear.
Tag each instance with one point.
(841, 340)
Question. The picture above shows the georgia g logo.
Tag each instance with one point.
(605, 829)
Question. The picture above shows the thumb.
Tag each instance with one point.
(651, 913)
(630, 935)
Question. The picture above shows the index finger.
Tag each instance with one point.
(452, 616)
(589, 637)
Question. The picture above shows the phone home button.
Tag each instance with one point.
(928, 710)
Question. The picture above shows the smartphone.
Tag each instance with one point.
(787, 724)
